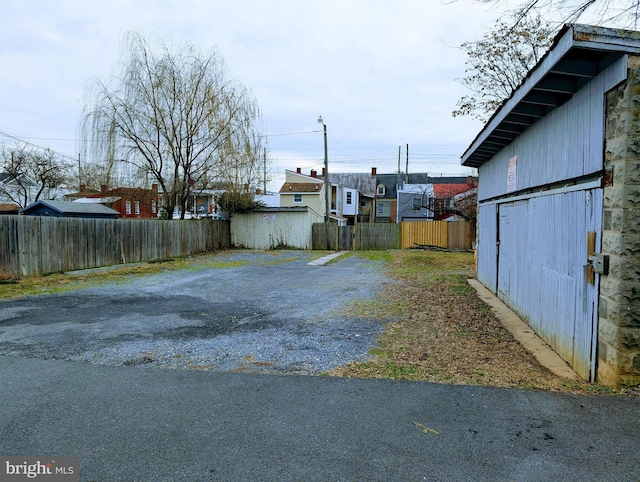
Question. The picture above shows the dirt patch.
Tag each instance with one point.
(444, 333)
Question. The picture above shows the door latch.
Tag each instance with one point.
(599, 263)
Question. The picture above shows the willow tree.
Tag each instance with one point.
(174, 116)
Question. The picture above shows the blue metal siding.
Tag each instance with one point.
(567, 143)
(541, 274)
(486, 248)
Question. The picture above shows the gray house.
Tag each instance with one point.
(559, 201)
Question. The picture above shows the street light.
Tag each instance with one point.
(326, 182)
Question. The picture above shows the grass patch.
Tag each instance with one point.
(384, 256)
(442, 332)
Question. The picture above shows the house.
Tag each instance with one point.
(69, 209)
(446, 194)
(386, 200)
(134, 202)
(413, 202)
(434, 201)
(358, 195)
(9, 208)
(17, 189)
(559, 201)
(302, 190)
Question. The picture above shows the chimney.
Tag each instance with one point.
(83, 187)
(374, 171)
(103, 188)
(298, 170)
(324, 173)
(314, 173)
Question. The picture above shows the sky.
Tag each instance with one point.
(381, 73)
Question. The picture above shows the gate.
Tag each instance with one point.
(345, 238)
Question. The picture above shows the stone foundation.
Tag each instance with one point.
(619, 314)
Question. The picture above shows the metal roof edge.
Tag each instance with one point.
(569, 37)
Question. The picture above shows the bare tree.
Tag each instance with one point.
(173, 115)
(497, 63)
(615, 13)
(30, 174)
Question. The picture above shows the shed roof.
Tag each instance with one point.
(71, 207)
(578, 54)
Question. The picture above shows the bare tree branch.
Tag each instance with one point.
(175, 115)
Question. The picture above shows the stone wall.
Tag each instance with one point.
(619, 314)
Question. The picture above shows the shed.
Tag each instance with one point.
(274, 227)
(559, 201)
(69, 209)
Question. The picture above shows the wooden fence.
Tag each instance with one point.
(362, 236)
(442, 234)
(369, 236)
(36, 245)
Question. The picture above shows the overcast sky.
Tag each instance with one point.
(380, 72)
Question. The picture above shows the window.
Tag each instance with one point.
(381, 190)
(127, 207)
(417, 203)
(136, 205)
(153, 206)
(297, 198)
(349, 197)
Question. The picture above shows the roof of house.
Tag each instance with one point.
(363, 182)
(578, 54)
(7, 177)
(300, 187)
(450, 190)
(72, 207)
(9, 208)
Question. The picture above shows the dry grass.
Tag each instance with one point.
(444, 333)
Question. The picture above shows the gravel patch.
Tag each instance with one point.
(267, 312)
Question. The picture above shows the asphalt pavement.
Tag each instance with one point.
(158, 422)
(132, 423)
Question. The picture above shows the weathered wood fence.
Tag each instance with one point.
(365, 236)
(35, 245)
(369, 236)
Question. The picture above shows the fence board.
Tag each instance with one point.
(34, 245)
(459, 235)
(432, 233)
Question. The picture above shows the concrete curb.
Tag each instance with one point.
(325, 259)
(525, 334)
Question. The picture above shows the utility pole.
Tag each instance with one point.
(406, 171)
(399, 148)
(326, 184)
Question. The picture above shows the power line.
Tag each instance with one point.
(11, 136)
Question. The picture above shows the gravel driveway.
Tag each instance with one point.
(250, 311)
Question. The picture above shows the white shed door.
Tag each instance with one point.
(541, 271)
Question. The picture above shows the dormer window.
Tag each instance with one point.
(381, 190)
